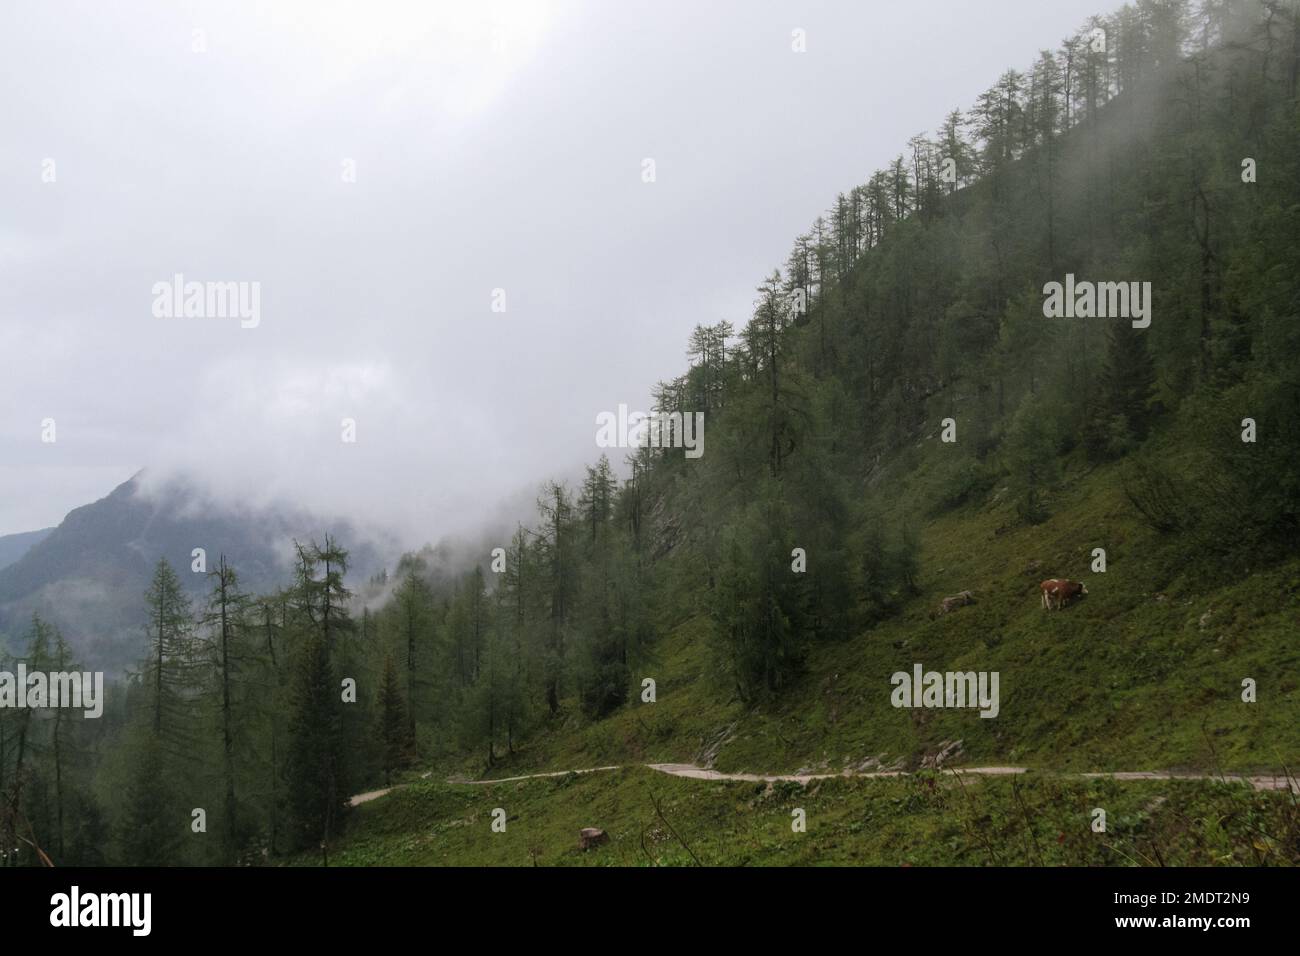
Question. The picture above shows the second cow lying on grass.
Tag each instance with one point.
(1058, 592)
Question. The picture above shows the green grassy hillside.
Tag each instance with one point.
(653, 819)
(1145, 673)
(902, 411)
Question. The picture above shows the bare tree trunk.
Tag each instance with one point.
(227, 734)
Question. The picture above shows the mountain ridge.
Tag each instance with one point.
(89, 573)
(14, 546)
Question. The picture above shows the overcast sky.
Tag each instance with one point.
(495, 146)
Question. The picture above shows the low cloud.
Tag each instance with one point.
(379, 169)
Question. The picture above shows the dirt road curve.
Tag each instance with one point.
(699, 773)
(1260, 782)
(361, 798)
(535, 776)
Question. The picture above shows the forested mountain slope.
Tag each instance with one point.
(1135, 154)
(921, 429)
(899, 421)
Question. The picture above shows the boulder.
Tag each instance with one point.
(952, 603)
(949, 750)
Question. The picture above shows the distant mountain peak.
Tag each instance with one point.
(89, 574)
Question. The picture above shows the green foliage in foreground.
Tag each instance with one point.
(926, 820)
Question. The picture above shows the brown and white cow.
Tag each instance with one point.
(1058, 592)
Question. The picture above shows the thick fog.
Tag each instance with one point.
(377, 175)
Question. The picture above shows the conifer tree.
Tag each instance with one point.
(315, 779)
(169, 671)
(228, 657)
(393, 731)
(413, 608)
(154, 823)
